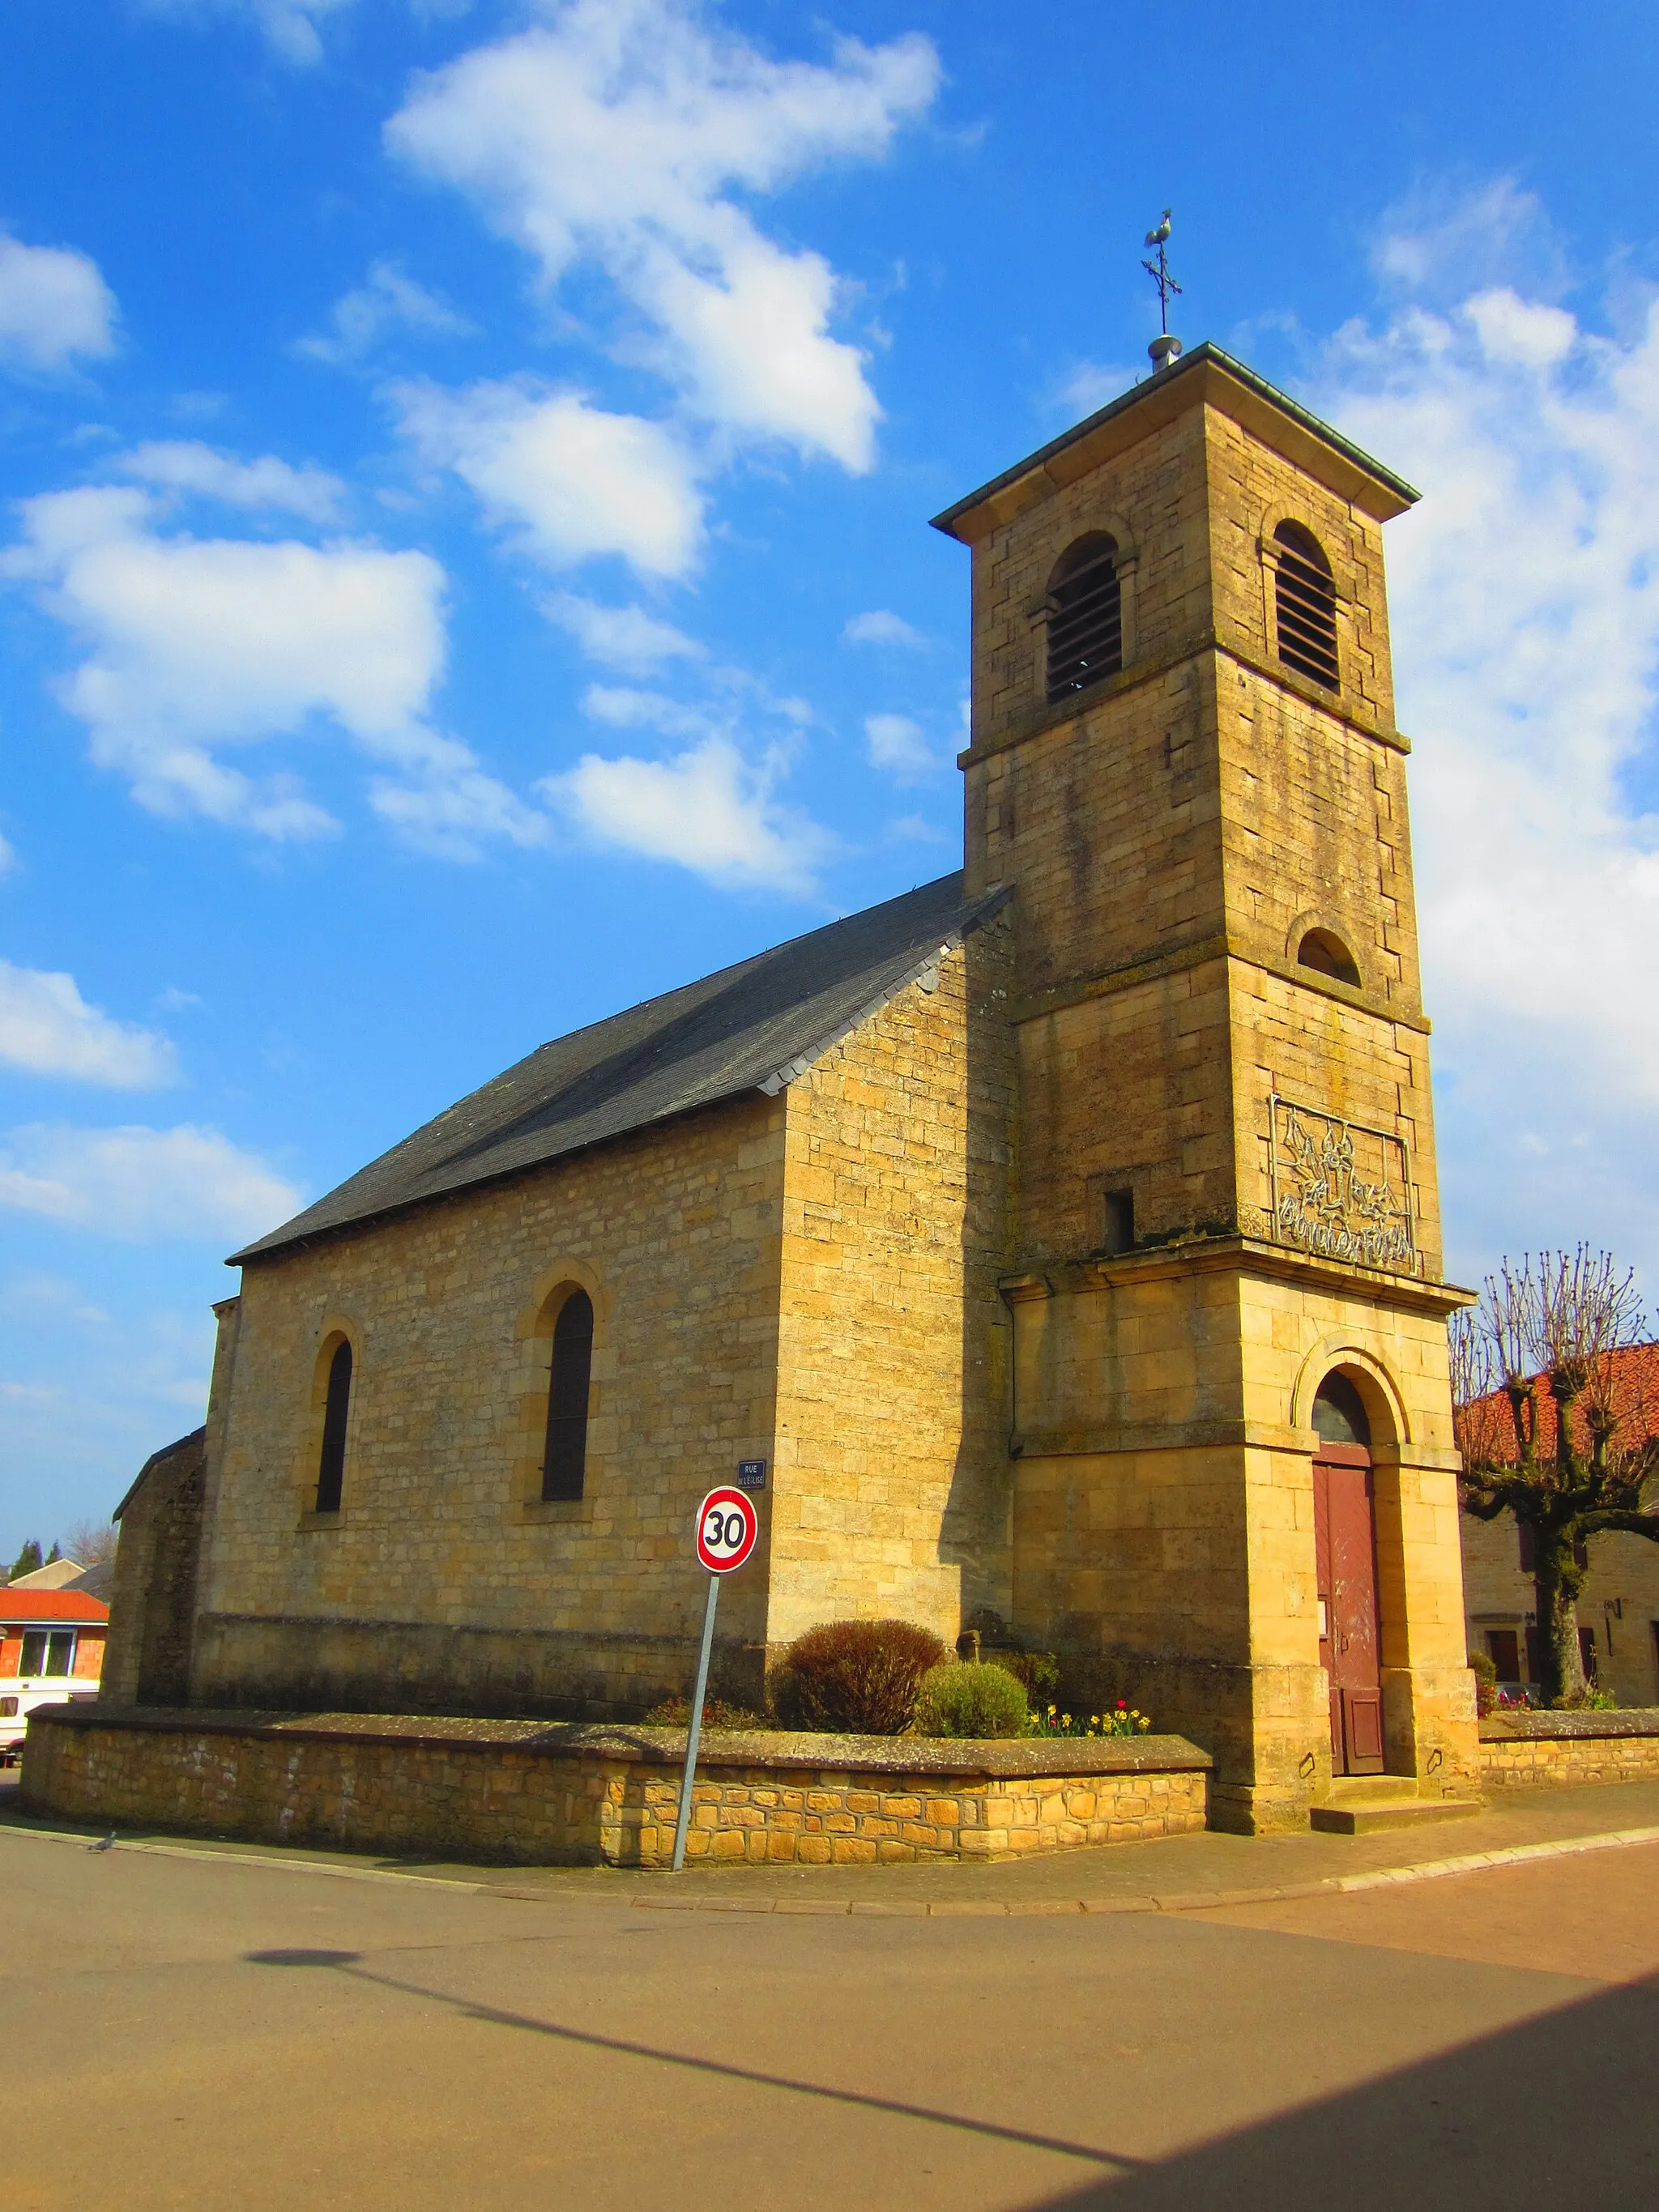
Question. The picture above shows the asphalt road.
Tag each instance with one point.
(210, 2032)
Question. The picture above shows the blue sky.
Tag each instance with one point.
(464, 566)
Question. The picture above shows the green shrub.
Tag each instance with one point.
(1590, 1699)
(1037, 1671)
(1484, 1672)
(855, 1677)
(971, 1698)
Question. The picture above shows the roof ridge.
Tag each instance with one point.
(737, 1030)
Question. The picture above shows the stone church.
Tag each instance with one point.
(1062, 1236)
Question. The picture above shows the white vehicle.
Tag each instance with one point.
(52, 1647)
(18, 1699)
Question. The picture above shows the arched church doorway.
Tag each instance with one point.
(1345, 1538)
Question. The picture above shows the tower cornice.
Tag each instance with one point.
(1205, 375)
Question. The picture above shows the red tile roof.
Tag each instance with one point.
(1488, 1425)
(44, 1606)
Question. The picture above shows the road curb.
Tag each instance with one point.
(1202, 1900)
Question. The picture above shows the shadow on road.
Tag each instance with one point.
(1563, 2112)
(349, 1963)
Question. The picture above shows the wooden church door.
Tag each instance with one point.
(1345, 1537)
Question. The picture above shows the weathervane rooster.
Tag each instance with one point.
(1164, 348)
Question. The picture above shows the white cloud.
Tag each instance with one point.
(8, 857)
(626, 638)
(184, 464)
(445, 804)
(46, 1028)
(898, 746)
(573, 480)
(289, 26)
(143, 1185)
(386, 300)
(1440, 245)
(197, 644)
(916, 829)
(625, 708)
(621, 133)
(1091, 384)
(1525, 606)
(53, 305)
(708, 810)
(880, 627)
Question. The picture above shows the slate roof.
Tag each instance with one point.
(752, 1028)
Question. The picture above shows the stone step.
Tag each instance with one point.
(1367, 1815)
(1349, 1788)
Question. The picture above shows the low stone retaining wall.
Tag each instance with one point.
(1532, 1750)
(539, 1794)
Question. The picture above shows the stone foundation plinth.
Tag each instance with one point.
(530, 1793)
(1532, 1751)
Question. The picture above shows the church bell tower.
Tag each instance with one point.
(1233, 1485)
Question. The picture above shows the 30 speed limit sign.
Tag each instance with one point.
(727, 1526)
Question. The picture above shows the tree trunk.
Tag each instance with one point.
(1555, 1587)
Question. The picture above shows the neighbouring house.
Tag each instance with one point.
(52, 1647)
(1619, 1606)
(1058, 1243)
(68, 1574)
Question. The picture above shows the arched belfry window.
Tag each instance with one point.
(1323, 951)
(1304, 600)
(336, 1409)
(1085, 620)
(566, 1460)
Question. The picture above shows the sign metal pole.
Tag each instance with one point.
(694, 1730)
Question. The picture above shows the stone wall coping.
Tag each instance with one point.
(1530, 1727)
(664, 1747)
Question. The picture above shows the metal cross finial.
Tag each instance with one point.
(1163, 348)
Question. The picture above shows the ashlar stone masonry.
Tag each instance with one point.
(1023, 1227)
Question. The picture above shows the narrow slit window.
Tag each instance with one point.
(1304, 598)
(1120, 1221)
(330, 1465)
(566, 1460)
(1085, 624)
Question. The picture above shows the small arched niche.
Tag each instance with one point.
(1085, 616)
(1323, 952)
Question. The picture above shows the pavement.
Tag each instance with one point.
(1466, 2017)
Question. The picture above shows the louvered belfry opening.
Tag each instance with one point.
(1085, 627)
(565, 1465)
(1305, 599)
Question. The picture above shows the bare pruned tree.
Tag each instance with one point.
(91, 1542)
(1556, 1426)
